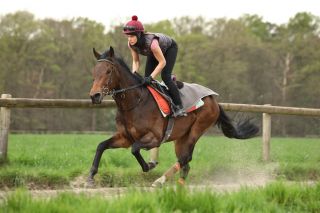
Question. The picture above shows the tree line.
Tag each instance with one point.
(246, 60)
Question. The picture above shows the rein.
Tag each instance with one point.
(107, 91)
(113, 92)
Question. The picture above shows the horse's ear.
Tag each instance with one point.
(96, 54)
(111, 52)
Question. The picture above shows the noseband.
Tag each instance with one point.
(107, 91)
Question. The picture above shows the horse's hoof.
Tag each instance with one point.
(152, 165)
(145, 169)
(156, 185)
(181, 182)
(159, 182)
(90, 183)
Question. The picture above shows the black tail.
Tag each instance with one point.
(243, 129)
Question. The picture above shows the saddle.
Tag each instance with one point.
(191, 96)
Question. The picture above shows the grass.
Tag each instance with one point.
(299, 159)
(276, 197)
(52, 161)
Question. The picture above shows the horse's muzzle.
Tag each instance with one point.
(97, 98)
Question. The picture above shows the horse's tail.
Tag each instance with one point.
(243, 129)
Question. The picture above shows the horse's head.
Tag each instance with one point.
(105, 75)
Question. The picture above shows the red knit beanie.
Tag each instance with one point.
(133, 26)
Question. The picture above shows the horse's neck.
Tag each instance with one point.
(132, 97)
(126, 80)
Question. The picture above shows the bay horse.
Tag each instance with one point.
(140, 124)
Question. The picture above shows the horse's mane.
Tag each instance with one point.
(123, 64)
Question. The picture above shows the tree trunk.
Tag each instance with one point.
(285, 83)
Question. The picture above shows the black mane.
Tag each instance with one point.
(123, 64)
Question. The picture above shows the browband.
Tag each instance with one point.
(107, 60)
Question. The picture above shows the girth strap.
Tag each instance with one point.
(169, 129)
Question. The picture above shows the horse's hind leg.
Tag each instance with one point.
(184, 173)
(169, 173)
(184, 149)
(184, 153)
(206, 116)
(184, 146)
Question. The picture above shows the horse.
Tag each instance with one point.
(140, 125)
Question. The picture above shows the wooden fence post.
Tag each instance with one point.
(266, 135)
(4, 129)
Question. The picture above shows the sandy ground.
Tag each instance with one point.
(119, 191)
(221, 183)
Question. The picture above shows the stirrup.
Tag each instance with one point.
(179, 113)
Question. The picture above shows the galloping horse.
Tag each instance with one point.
(140, 124)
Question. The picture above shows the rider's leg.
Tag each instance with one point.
(170, 57)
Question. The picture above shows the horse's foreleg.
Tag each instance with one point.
(114, 142)
(135, 150)
(95, 164)
(154, 157)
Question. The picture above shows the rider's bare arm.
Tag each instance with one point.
(135, 60)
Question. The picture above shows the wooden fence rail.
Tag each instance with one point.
(53, 103)
(6, 102)
(86, 103)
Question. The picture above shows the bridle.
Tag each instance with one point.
(107, 91)
(113, 92)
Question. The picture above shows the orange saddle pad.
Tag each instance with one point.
(162, 103)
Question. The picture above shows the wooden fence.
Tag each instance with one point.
(7, 102)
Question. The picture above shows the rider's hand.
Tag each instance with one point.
(148, 80)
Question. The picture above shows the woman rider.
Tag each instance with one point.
(161, 52)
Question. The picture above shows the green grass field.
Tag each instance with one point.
(52, 161)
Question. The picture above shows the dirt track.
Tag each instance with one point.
(119, 191)
(217, 184)
(116, 192)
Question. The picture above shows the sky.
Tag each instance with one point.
(113, 12)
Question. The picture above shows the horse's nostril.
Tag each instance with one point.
(97, 95)
(96, 98)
